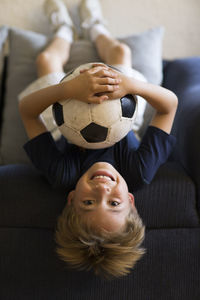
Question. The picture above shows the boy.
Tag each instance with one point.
(99, 227)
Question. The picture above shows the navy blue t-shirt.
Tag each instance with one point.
(136, 162)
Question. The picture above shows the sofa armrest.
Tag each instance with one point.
(182, 76)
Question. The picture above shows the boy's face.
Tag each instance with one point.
(101, 196)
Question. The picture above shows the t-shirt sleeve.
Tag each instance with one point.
(141, 165)
(59, 169)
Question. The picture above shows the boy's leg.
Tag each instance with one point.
(110, 50)
(54, 57)
(113, 52)
(50, 62)
(50, 71)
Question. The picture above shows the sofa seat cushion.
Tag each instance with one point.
(27, 200)
(30, 269)
(170, 200)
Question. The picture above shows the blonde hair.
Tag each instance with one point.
(109, 254)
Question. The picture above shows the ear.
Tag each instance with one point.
(70, 197)
(131, 198)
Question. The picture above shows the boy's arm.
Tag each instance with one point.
(85, 87)
(163, 100)
(33, 105)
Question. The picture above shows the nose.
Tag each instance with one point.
(102, 187)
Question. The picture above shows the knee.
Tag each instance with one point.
(122, 50)
(43, 59)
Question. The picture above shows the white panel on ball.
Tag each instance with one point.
(119, 130)
(107, 113)
(76, 114)
(73, 136)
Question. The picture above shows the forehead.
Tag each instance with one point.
(108, 223)
(108, 220)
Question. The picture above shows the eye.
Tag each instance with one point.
(88, 202)
(114, 203)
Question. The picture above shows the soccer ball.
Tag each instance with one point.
(94, 126)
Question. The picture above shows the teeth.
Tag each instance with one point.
(102, 176)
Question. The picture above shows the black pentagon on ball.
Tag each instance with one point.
(58, 113)
(128, 104)
(94, 133)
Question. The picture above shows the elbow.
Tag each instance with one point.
(22, 109)
(173, 102)
(23, 112)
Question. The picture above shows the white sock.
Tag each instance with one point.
(65, 32)
(98, 29)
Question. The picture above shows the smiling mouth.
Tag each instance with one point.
(102, 175)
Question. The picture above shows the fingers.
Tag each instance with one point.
(103, 93)
(106, 73)
(112, 95)
(103, 71)
(108, 80)
(98, 99)
(100, 81)
(94, 68)
(103, 86)
(99, 65)
(106, 88)
(101, 97)
(83, 70)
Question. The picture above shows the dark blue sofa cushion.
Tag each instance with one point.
(30, 269)
(27, 200)
(183, 77)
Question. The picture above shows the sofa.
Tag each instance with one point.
(169, 206)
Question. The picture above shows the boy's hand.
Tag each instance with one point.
(94, 85)
(128, 85)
